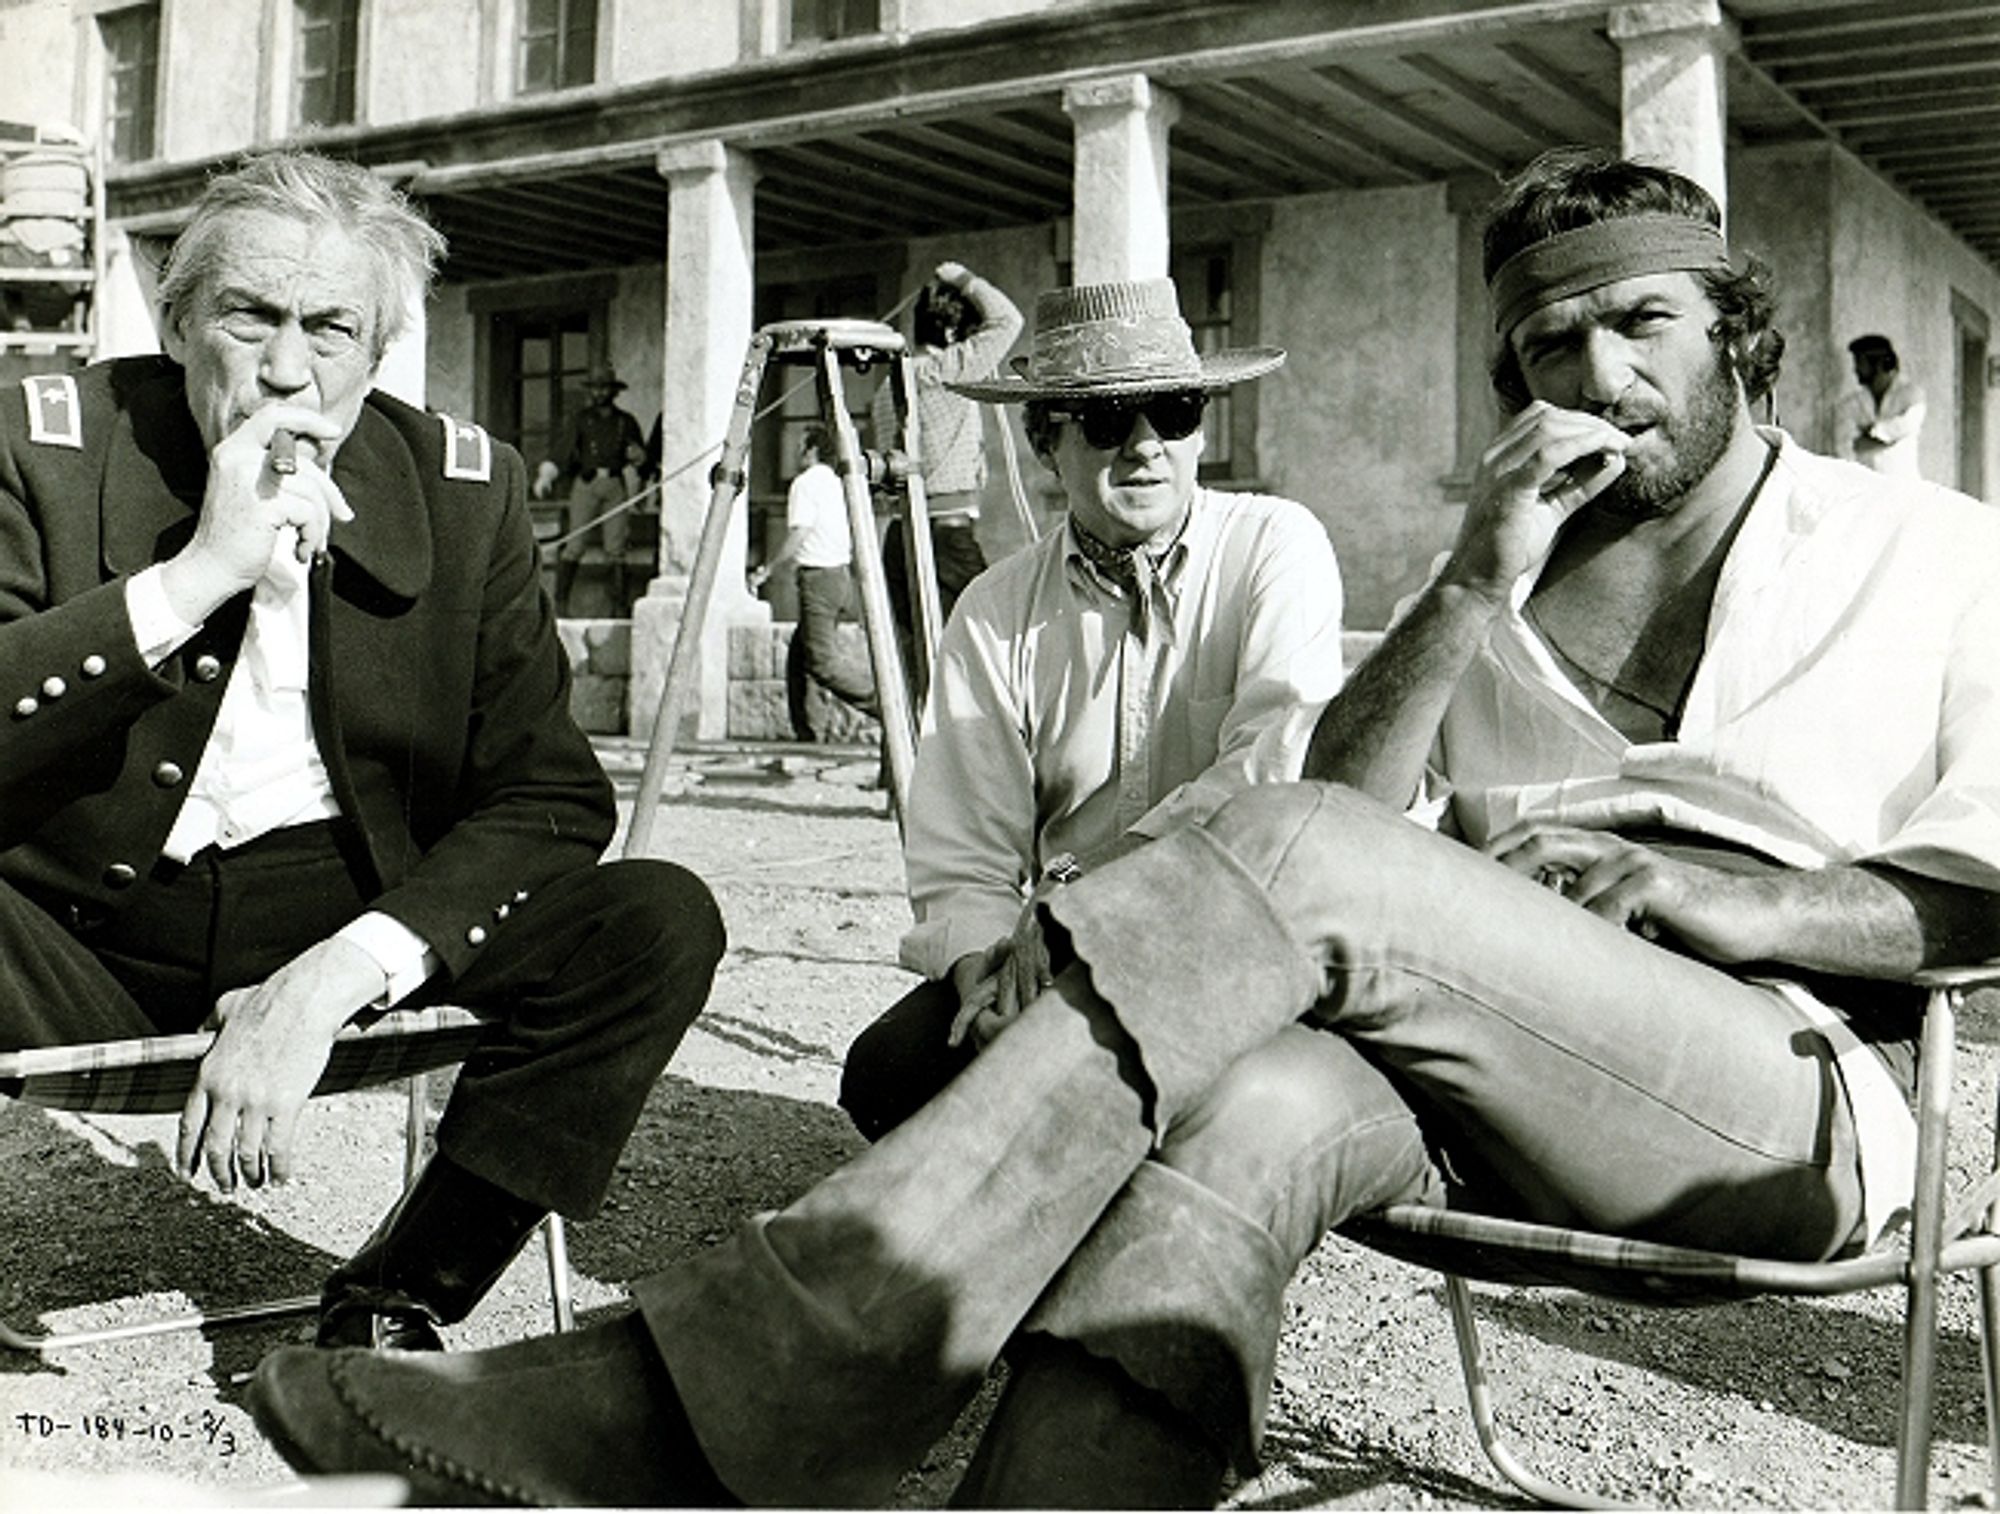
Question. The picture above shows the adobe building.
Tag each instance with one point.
(645, 184)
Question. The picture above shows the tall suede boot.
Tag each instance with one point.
(565, 584)
(1143, 1371)
(435, 1255)
(1073, 1431)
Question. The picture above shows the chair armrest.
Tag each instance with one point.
(1973, 975)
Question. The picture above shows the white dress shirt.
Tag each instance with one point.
(262, 767)
(1846, 709)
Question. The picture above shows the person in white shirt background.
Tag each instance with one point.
(1882, 418)
(819, 540)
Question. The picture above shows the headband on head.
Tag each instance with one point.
(1620, 247)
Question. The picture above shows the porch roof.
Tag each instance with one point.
(881, 139)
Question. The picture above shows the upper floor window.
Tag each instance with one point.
(329, 34)
(131, 80)
(558, 44)
(830, 20)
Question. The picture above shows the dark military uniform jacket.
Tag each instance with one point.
(439, 691)
(601, 439)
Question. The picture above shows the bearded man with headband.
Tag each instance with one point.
(1705, 736)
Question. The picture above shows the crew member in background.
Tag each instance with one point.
(818, 540)
(602, 453)
(1882, 418)
(963, 326)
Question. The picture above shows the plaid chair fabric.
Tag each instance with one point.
(153, 1074)
(1947, 1232)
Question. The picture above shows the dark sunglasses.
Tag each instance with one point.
(1107, 423)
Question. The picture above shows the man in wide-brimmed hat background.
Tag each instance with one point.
(600, 456)
(1105, 686)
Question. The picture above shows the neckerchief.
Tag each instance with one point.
(1133, 570)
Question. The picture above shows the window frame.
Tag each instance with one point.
(348, 28)
(120, 128)
(566, 47)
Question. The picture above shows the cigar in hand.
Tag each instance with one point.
(284, 451)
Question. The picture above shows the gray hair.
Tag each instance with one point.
(319, 191)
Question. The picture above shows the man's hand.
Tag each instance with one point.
(995, 985)
(250, 511)
(1717, 915)
(272, 1047)
(1542, 467)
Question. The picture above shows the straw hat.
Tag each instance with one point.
(1112, 340)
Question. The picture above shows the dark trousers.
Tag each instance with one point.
(900, 1061)
(955, 552)
(824, 597)
(587, 988)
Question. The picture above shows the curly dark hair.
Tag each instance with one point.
(941, 314)
(1573, 187)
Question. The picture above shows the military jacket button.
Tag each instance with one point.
(120, 875)
(207, 668)
(94, 666)
(26, 705)
(54, 688)
(168, 775)
(476, 936)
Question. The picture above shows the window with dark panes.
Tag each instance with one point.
(830, 20)
(1203, 278)
(131, 80)
(329, 34)
(558, 44)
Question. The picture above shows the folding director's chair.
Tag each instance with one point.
(1947, 1233)
(153, 1075)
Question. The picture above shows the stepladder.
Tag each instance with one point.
(830, 350)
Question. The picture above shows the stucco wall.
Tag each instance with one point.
(652, 41)
(422, 59)
(42, 95)
(1779, 210)
(1359, 424)
(204, 109)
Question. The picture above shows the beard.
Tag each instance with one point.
(1696, 436)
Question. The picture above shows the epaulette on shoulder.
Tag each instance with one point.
(468, 451)
(55, 413)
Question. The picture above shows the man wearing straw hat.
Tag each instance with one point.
(1116, 680)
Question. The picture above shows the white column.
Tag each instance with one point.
(1120, 229)
(710, 303)
(1674, 86)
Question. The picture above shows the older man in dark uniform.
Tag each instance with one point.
(285, 740)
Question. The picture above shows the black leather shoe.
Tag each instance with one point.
(360, 1324)
(589, 1417)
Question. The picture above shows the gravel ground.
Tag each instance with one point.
(1777, 1403)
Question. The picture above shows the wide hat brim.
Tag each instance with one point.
(1218, 370)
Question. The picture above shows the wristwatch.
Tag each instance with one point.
(1061, 868)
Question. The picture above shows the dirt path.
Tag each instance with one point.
(1777, 1404)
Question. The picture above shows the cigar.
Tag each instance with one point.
(284, 451)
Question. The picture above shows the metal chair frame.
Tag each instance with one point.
(152, 1075)
(1946, 1234)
